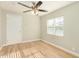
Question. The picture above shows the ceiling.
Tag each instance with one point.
(50, 6)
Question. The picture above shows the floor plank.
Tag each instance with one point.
(36, 49)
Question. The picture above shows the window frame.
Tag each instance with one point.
(54, 19)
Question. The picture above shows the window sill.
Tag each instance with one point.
(56, 36)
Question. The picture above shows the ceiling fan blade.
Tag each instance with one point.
(38, 4)
(24, 5)
(27, 11)
(42, 10)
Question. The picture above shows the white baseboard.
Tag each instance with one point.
(66, 50)
(20, 42)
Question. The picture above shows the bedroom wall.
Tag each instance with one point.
(2, 27)
(31, 27)
(71, 28)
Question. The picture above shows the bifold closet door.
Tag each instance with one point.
(14, 28)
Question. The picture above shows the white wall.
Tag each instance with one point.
(71, 27)
(31, 27)
(2, 27)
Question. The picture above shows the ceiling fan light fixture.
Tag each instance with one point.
(35, 12)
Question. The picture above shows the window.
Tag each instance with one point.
(56, 26)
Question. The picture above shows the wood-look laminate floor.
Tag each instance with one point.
(36, 49)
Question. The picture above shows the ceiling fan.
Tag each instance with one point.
(34, 8)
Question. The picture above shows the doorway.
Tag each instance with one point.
(14, 28)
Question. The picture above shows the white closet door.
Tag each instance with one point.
(14, 28)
